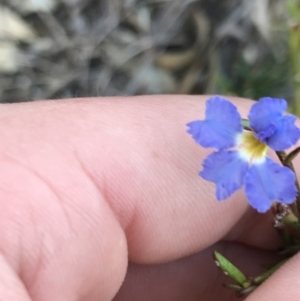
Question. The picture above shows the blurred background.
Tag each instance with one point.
(52, 49)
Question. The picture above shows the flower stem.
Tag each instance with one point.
(261, 278)
(287, 161)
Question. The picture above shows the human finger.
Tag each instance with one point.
(137, 153)
(112, 169)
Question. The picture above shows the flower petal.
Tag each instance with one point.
(220, 127)
(226, 169)
(265, 112)
(286, 135)
(269, 182)
(278, 131)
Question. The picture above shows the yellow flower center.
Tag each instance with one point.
(250, 148)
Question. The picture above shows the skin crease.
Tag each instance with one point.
(88, 183)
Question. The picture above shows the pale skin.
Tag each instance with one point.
(86, 184)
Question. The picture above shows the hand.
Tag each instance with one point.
(86, 184)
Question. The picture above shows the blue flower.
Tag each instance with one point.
(241, 157)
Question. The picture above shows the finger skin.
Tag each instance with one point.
(87, 182)
(63, 241)
(11, 286)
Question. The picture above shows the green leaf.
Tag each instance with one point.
(230, 270)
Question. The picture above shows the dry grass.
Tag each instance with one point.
(72, 48)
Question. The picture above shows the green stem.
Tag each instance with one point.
(261, 278)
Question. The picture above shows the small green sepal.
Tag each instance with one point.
(246, 124)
